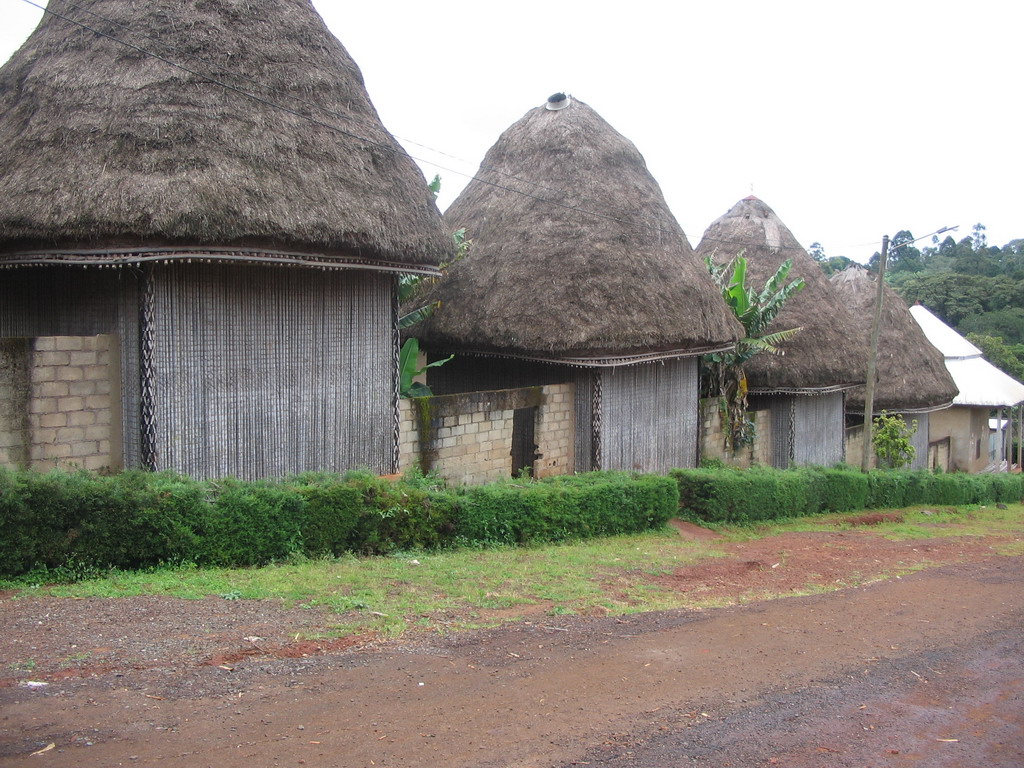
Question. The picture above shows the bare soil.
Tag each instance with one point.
(896, 654)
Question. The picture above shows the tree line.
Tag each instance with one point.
(975, 287)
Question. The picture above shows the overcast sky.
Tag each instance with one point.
(851, 120)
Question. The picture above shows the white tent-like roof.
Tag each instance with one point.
(980, 382)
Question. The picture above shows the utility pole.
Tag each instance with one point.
(869, 386)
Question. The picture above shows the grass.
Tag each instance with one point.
(467, 588)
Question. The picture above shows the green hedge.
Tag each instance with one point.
(746, 495)
(138, 519)
(570, 507)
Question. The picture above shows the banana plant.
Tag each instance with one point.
(408, 287)
(409, 369)
(755, 310)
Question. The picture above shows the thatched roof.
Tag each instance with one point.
(575, 255)
(826, 354)
(103, 147)
(912, 374)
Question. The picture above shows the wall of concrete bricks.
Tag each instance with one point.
(471, 438)
(556, 431)
(59, 405)
(713, 442)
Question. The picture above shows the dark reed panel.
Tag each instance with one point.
(58, 301)
(584, 379)
(782, 408)
(477, 373)
(131, 394)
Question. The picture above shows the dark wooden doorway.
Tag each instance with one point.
(524, 444)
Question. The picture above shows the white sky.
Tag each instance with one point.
(852, 120)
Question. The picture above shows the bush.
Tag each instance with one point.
(569, 507)
(251, 524)
(138, 519)
(135, 519)
(737, 496)
(79, 523)
(834, 490)
(122, 521)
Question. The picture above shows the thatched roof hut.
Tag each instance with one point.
(575, 256)
(825, 355)
(198, 147)
(912, 375)
(238, 126)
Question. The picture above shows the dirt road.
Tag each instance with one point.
(926, 670)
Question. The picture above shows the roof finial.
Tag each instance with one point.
(557, 101)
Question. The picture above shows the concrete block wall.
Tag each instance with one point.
(712, 437)
(66, 406)
(470, 434)
(556, 431)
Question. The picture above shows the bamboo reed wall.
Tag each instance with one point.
(264, 372)
(807, 429)
(240, 370)
(59, 301)
(629, 417)
(783, 425)
(919, 439)
(584, 442)
(649, 416)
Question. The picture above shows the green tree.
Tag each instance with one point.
(1006, 323)
(891, 440)
(904, 256)
(951, 296)
(1007, 357)
(724, 373)
(829, 264)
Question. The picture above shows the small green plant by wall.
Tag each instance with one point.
(891, 440)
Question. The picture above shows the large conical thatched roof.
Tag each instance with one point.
(575, 254)
(912, 374)
(827, 353)
(104, 147)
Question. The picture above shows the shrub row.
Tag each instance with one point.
(746, 495)
(139, 519)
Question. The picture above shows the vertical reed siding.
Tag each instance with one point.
(649, 420)
(131, 385)
(263, 372)
(783, 425)
(583, 449)
(919, 439)
(818, 429)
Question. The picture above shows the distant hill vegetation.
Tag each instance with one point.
(975, 287)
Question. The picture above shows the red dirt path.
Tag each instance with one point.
(924, 670)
